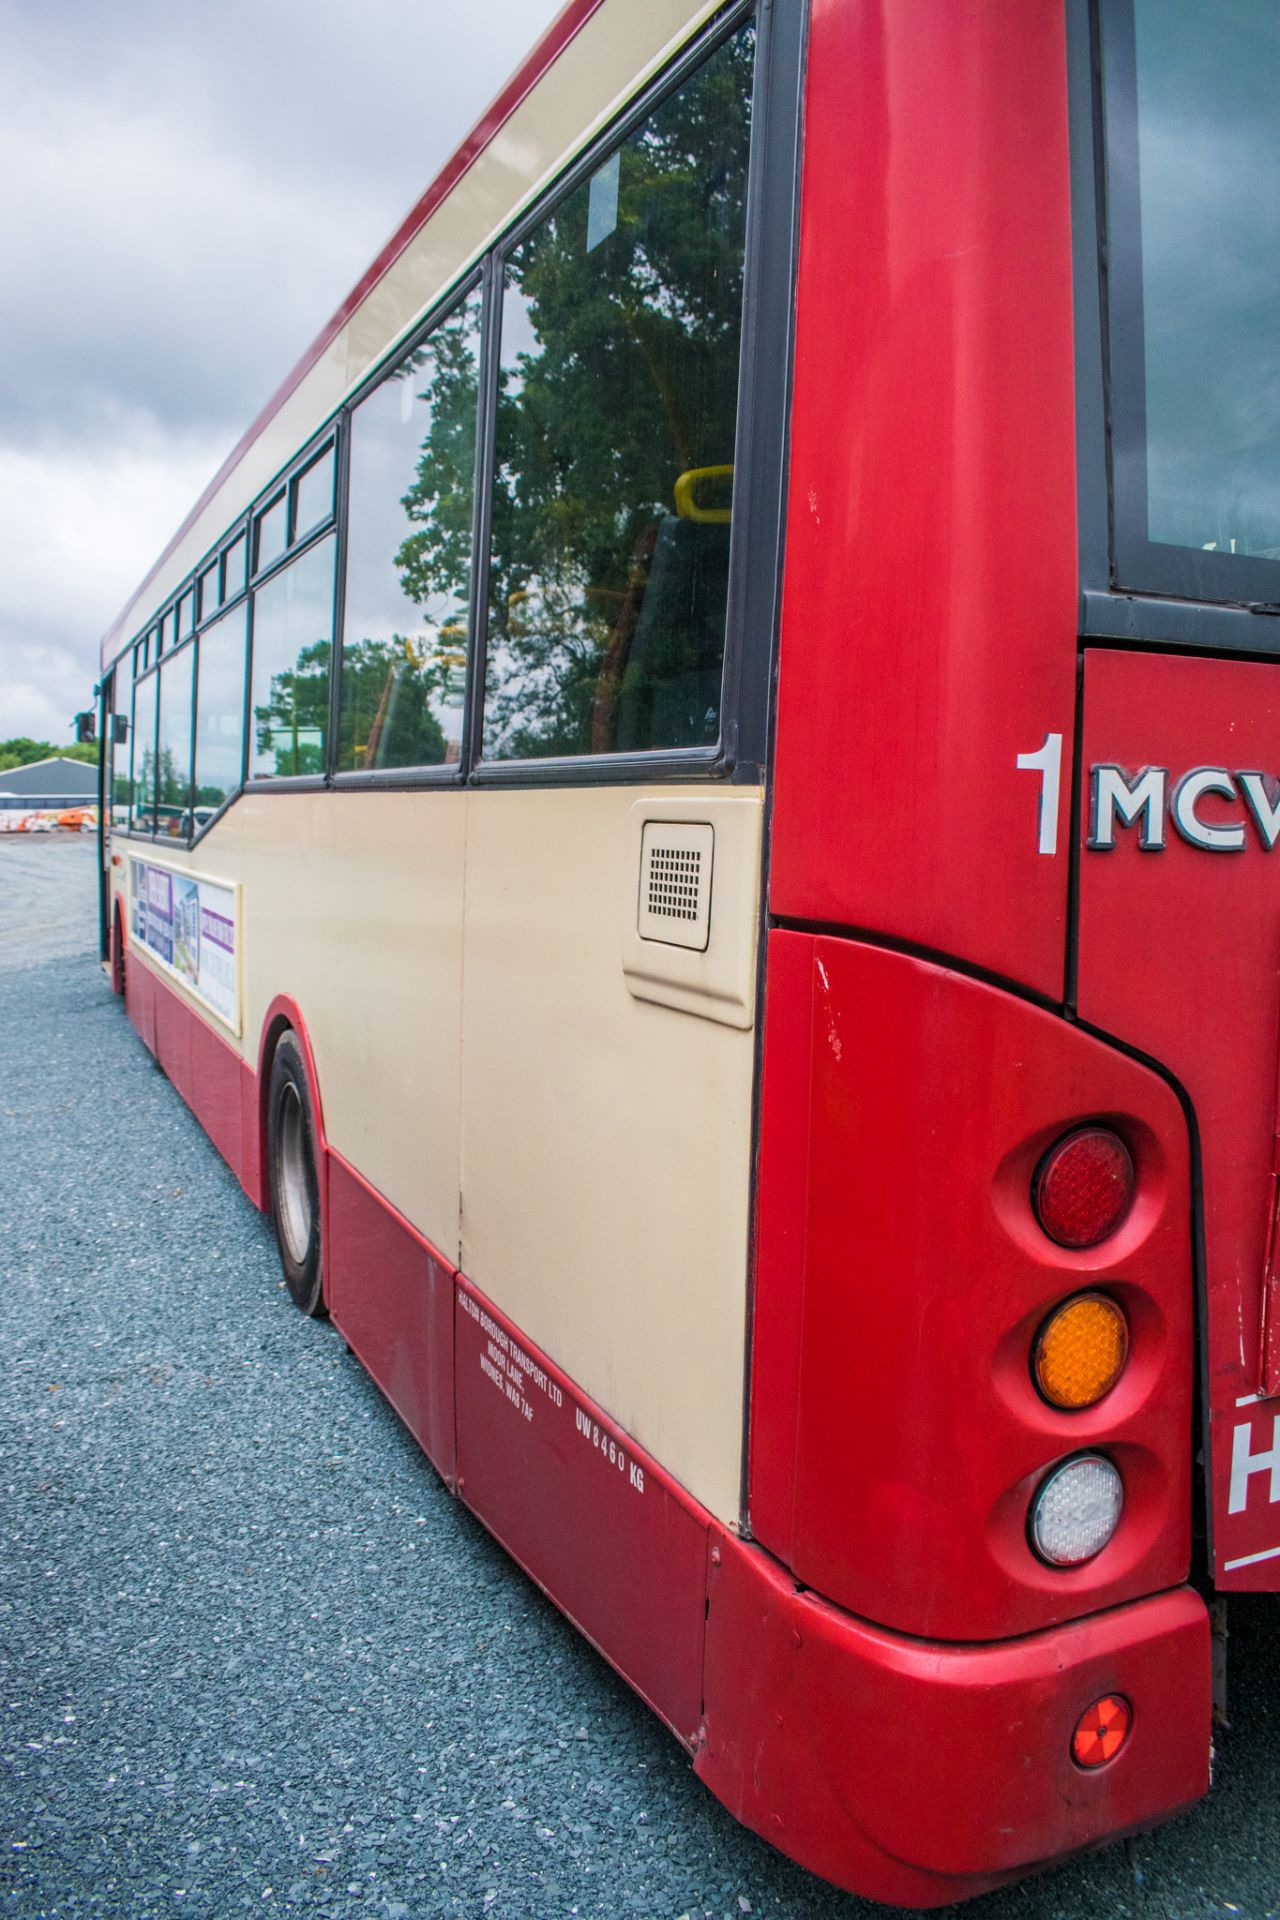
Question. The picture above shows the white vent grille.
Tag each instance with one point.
(675, 883)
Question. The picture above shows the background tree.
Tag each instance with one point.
(21, 751)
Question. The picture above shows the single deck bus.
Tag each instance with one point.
(703, 790)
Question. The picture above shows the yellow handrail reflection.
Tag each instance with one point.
(688, 508)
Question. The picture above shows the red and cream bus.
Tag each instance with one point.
(702, 792)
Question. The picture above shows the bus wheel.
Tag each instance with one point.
(291, 1167)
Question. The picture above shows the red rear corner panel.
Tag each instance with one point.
(929, 613)
(897, 1438)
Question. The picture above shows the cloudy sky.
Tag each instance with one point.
(189, 191)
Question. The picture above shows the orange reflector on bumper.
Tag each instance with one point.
(1101, 1731)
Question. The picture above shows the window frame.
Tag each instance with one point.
(718, 761)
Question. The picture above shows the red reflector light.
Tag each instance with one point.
(1083, 1187)
(1101, 1731)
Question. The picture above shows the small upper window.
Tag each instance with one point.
(210, 591)
(233, 568)
(186, 614)
(1193, 204)
(313, 495)
(167, 631)
(270, 530)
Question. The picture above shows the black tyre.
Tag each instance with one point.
(291, 1171)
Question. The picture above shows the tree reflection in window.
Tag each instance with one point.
(292, 649)
(608, 564)
(411, 504)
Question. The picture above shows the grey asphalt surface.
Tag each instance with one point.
(253, 1657)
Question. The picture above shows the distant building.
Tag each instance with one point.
(45, 784)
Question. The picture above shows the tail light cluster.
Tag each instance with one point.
(1080, 1194)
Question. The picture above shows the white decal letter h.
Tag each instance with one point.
(1245, 1463)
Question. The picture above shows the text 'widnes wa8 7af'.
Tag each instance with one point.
(666, 811)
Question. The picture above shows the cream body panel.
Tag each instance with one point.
(617, 51)
(353, 908)
(606, 1140)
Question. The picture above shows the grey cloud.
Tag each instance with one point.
(190, 192)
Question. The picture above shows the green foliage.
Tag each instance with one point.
(388, 691)
(291, 729)
(21, 751)
(434, 562)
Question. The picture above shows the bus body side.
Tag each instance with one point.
(576, 1190)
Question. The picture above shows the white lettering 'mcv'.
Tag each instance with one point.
(1245, 1463)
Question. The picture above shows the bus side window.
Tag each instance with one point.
(173, 762)
(411, 504)
(142, 791)
(292, 649)
(219, 713)
(621, 329)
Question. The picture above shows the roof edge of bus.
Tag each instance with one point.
(572, 17)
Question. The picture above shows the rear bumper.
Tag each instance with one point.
(919, 1773)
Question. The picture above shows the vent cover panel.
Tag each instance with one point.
(675, 883)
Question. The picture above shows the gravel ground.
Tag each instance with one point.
(252, 1655)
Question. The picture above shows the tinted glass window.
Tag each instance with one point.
(1194, 203)
(209, 594)
(409, 514)
(220, 712)
(167, 631)
(292, 646)
(313, 495)
(269, 534)
(186, 614)
(143, 798)
(233, 568)
(621, 323)
(173, 806)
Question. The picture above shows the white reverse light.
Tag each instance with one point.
(1076, 1510)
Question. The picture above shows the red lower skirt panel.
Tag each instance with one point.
(391, 1297)
(205, 1068)
(908, 1771)
(616, 1543)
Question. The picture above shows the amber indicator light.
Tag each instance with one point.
(1080, 1351)
(1101, 1731)
(1083, 1187)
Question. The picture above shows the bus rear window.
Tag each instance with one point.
(1193, 200)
